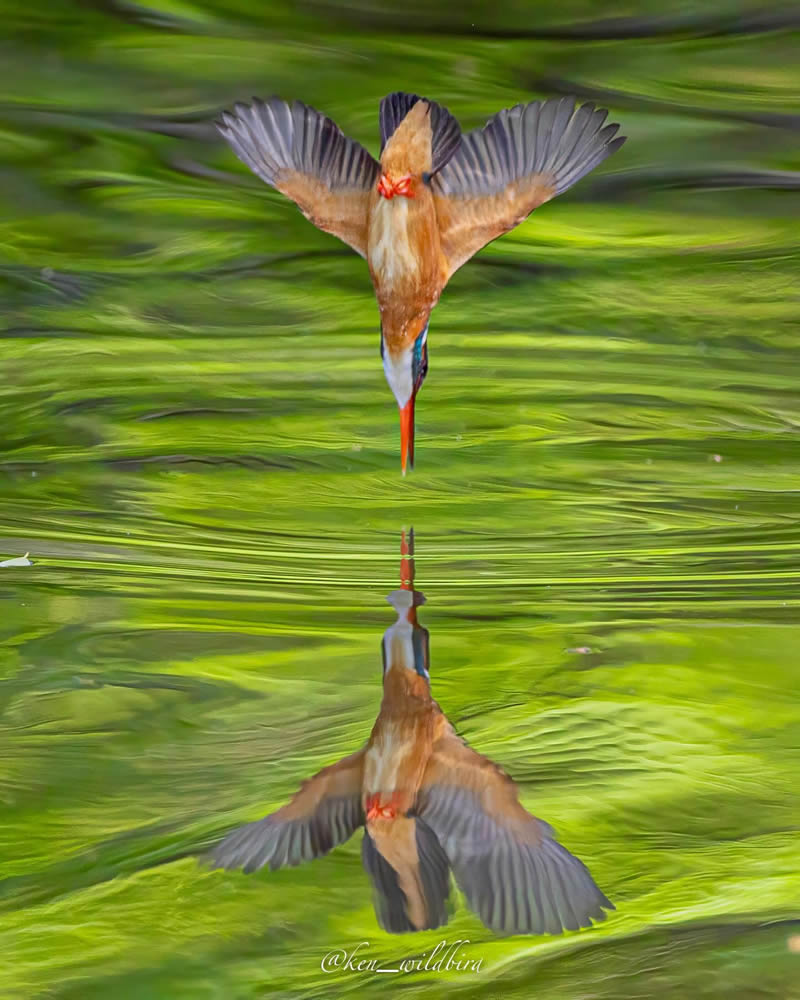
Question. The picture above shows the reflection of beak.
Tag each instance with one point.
(407, 435)
(407, 561)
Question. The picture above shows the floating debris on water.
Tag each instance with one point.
(17, 561)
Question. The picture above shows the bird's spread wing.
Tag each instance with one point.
(515, 876)
(446, 132)
(309, 159)
(410, 876)
(524, 156)
(325, 812)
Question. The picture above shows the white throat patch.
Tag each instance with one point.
(399, 375)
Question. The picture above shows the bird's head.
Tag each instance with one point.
(405, 362)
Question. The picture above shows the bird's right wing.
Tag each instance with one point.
(515, 876)
(325, 812)
(308, 158)
(523, 157)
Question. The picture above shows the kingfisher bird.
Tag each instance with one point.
(433, 201)
(429, 805)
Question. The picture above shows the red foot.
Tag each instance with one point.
(389, 188)
(377, 810)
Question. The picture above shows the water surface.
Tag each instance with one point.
(201, 455)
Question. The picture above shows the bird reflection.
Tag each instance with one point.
(429, 805)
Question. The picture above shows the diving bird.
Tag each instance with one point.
(435, 198)
(429, 805)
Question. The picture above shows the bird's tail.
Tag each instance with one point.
(410, 875)
(398, 127)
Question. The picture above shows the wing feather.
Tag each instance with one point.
(521, 158)
(325, 812)
(305, 155)
(515, 875)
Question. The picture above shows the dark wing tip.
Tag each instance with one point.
(519, 889)
(248, 847)
(388, 898)
(434, 869)
(446, 135)
(394, 107)
(402, 97)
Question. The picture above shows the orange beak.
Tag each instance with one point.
(407, 435)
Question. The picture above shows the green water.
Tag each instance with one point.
(201, 455)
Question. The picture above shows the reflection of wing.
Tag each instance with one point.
(514, 875)
(309, 159)
(409, 874)
(524, 156)
(324, 813)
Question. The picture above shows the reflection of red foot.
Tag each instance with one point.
(380, 808)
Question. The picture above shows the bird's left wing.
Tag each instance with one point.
(524, 156)
(515, 876)
(305, 155)
(325, 812)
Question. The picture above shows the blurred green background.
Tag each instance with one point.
(201, 454)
